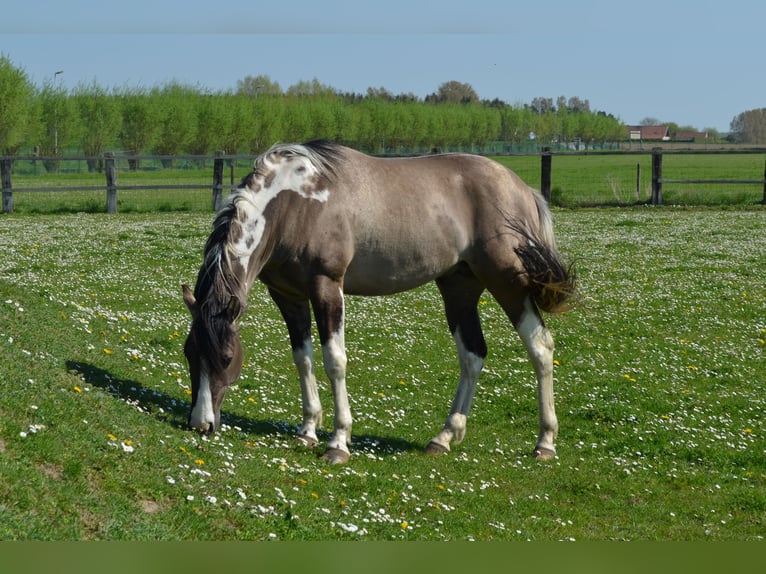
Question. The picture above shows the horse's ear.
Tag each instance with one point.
(189, 299)
(233, 309)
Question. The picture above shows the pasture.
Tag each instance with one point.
(660, 387)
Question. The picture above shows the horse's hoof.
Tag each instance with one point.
(542, 453)
(306, 440)
(435, 448)
(336, 456)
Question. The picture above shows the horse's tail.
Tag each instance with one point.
(552, 282)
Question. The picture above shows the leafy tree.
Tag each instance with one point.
(100, 121)
(750, 127)
(258, 86)
(381, 93)
(312, 88)
(454, 92)
(178, 119)
(60, 126)
(140, 122)
(17, 111)
(542, 106)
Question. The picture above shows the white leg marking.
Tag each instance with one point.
(539, 343)
(312, 408)
(334, 355)
(470, 369)
(202, 415)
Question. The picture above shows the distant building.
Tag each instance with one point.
(690, 136)
(648, 133)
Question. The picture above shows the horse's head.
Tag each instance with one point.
(214, 353)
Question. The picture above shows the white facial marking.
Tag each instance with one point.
(202, 415)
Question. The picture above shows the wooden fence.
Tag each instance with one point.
(658, 179)
(217, 186)
(111, 184)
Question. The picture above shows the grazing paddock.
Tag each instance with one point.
(660, 382)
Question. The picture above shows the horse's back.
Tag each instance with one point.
(412, 220)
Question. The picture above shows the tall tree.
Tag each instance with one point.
(178, 118)
(100, 120)
(60, 125)
(140, 122)
(256, 86)
(455, 92)
(16, 106)
(750, 127)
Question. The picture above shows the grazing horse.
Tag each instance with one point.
(317, 221)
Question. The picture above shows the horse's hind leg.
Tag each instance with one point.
(538, 341)
(461, 291)
(297, 316)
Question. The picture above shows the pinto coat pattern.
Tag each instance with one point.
(317, 221)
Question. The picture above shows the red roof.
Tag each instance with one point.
(648, 133)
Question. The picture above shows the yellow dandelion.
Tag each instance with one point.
(314, 495)
(404, 525)
(556, 362)
(251, 399)
(187, 391)
(111, 436)
(748, 430)
(77, 389)
(107, 351)
(199, 461)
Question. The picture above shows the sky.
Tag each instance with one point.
(695, 63)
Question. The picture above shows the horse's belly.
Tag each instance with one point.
(378, 274)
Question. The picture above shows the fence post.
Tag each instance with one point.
(545, 174)
(657, 176)
(111, 183)
(638, 181)
(6, 165)
(218, 181)
(763, 201)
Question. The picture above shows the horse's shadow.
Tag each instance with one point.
(174, 411)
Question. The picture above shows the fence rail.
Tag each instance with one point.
(112, 186)
(658, 180)
(217, 187)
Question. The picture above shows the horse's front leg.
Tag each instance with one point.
(327, 300)
(297, 316)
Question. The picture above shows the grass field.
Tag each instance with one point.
(660, 382)
(577, 180)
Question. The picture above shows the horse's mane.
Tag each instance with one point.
(323, 154)
(220, 293)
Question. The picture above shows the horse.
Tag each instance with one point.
(317, 221)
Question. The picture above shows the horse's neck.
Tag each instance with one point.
(247, 260)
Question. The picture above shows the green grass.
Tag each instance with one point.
(611, 180)
(660, 394)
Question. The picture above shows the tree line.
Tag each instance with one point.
(175, 119)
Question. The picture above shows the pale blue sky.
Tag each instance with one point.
(695, 63)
